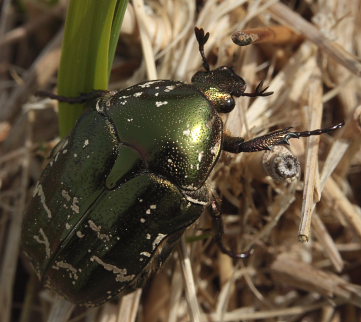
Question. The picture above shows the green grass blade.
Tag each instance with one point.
(88, 49)
(114, 35)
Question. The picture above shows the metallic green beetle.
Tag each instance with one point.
(120, 190)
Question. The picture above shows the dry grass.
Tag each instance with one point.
(305, 231)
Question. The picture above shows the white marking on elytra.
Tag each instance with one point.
(200, 156)
(169, 88)
(148, 84)
(137, 94)
(160, 103)
(86, 142)
(156, 94)
(148, 236)
(142, 220)
(65, 143)
(99, 108)
(80, 235)
(121, 273)
(65, 151)
(147, 254)
(124, 102)
(97, 229)
(196, 201)
(187, 132)
(56, 157)
(44, 241)
(75, 155)
(130, 120)
(153, 206)
(65, 195)
(67, 226)
(190, 187)
(157, 240)
(73, 272)
(75, 205)
(40, 192)
(148, 212)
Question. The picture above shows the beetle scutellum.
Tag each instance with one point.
(120, 190)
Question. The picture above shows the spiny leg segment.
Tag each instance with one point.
(265, 142)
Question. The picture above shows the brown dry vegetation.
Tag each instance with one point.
(305, 231)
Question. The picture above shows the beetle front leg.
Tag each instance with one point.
(265, 142)
(218, 224)
(260, 91)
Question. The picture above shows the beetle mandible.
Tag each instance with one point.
(118, 193)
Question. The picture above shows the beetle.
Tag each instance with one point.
(119, 192)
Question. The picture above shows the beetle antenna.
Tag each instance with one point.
(202, 39)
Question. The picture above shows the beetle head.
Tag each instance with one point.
(223, 78)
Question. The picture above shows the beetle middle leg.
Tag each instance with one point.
(265, 142)
(218, 224)
(82, 98)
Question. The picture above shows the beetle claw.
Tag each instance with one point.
(259, 91)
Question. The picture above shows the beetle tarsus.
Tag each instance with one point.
(218, 224)
(297, 135)
(265, 142)
(260, 91)
(83, 98)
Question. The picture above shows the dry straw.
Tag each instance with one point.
(308, 57)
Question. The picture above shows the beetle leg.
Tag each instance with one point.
(265, 142)
(259, 91)
(218, 224)
(82, 98)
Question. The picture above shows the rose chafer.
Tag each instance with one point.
(119, 192)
